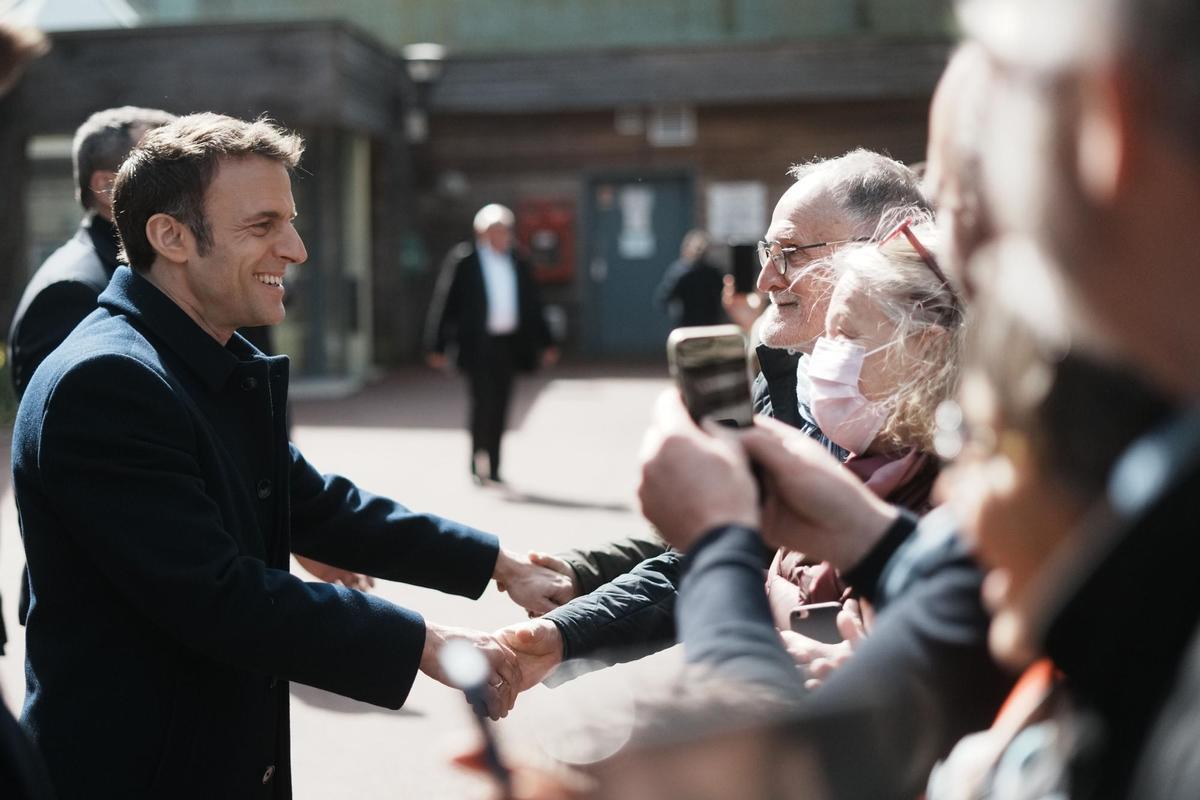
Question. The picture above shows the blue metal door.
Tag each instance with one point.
(635, 226)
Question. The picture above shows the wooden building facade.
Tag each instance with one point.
(608, 156)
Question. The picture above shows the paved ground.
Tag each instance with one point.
(570, 462)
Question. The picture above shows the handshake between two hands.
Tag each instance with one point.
(518, 657)
(521, 655)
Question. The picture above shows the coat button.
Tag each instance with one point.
(270, 773)
(263, 489)
(249, 383)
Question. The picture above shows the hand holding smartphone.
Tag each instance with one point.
(710, 368)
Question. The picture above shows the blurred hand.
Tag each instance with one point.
(742, 309)
(505, 677)
(437, 360)
(533, 587)
(324, 572)
(550, 357)
(538, 647)
(819, 659)
(693, 481)
(814, 504)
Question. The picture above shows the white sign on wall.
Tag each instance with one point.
(737, 210)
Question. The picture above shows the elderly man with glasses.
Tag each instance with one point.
(626, 591)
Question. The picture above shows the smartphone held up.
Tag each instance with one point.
(710, 367)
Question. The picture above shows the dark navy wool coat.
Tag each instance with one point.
(159, 499)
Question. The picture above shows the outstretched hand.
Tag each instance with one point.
(537, 646)
(537, 582)
(742, 309)
(505, 676)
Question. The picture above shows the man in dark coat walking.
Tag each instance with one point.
(159, 500)
(488, 306)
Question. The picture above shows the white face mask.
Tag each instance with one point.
(842, 412)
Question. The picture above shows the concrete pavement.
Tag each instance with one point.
(570, 460)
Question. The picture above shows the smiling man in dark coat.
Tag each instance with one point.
(159, 499)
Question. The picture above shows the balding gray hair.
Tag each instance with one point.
(867, 185)
(493, 214)
(105, 139)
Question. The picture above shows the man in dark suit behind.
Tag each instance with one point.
(487, 304)
(64, 289)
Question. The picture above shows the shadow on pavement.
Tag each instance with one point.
(319, 698)
(418, 397)
(511, 495)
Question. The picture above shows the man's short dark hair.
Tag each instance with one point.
(170, 170)
(103, 141)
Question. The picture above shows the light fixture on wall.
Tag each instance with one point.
(424, 62)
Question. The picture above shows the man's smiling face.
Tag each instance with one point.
(239, 281)
(806, 214)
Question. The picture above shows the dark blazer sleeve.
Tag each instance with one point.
(445, 307)
(169, 554)
(336, 522)
(52, 315)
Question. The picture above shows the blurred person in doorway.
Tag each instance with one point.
(487, 306)
(691, 287)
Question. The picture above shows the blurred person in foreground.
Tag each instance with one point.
(487, 306)
(159, 499)
(691, 287)
(1085, 153)
(1038, 429)
(1100, 163)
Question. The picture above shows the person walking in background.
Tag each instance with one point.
(691, 287)
(487, 305)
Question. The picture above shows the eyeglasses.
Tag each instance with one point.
(784, 256)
